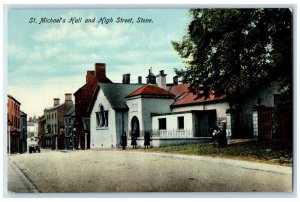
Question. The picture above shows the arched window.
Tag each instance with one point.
(102, 117)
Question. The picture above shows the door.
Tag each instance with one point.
(135, 126)
(265, 125)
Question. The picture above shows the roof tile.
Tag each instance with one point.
(150, 90)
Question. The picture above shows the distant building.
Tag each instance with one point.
(69, 120)
(32, 127)
(23, 135)
(54, 126)
(41, 130)
(13, 122)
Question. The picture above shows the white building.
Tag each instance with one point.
(32, 129)
(136, 109)
(109, 114)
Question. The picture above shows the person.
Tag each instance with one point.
(222, 135)
(124, 140)
(147, 140)
(133, 140)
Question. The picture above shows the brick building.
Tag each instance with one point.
(54, 127)
(23, 135)
(13, 127)
(83, 98)
(41, 129)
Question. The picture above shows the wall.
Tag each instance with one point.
(267, 98)
(220, 108)
(119, 119)
(142, 109)
(103, 137)
(51, 120)
(153, 105)
(135, 109)
(171, 122)
(163, 142)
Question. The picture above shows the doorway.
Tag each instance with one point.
(135, 126)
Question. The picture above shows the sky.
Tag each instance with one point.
(47, 60)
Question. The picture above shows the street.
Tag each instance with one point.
(138, 171)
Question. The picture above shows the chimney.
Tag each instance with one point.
(68, 99)
(100, 73)
(126, 79)
(56, 101)
(140, 80)
(151, 79)
(161, 80)
(89, 76)
(175, 80)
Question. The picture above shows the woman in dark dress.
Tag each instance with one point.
(133, 140)
(124, 140)
(147, 139)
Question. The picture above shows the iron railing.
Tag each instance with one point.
(184, 133)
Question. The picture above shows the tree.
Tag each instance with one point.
(230, 51)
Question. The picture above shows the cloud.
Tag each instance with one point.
(53, 59)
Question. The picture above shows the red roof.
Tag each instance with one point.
(180, 89)
(151, 90)
(191, 98)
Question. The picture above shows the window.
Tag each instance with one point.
(102, 117)
(162, 124)
(180, 122)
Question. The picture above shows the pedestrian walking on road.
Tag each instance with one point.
(124, 140)
(133, 140)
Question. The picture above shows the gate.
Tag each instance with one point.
(265, 123)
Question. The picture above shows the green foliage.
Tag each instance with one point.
(230, 51)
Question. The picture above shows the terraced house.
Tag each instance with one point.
(54, 136)
(13, 125)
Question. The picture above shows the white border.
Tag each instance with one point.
(153, 4)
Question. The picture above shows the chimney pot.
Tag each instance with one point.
(161, 80)
(68, 99)
(100, 72)
(126, 79)
(175, 80)
(140, 80)
(56, 101)
(89, 76)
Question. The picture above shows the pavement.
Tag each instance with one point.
(18, 182)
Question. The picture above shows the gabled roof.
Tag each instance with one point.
(115, 94)
(14, 99)
(70, 111)
(55, 107)
(22, 113)
(151, 90)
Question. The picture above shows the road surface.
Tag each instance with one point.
(135, 171)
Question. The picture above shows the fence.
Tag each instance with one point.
(186, 133)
